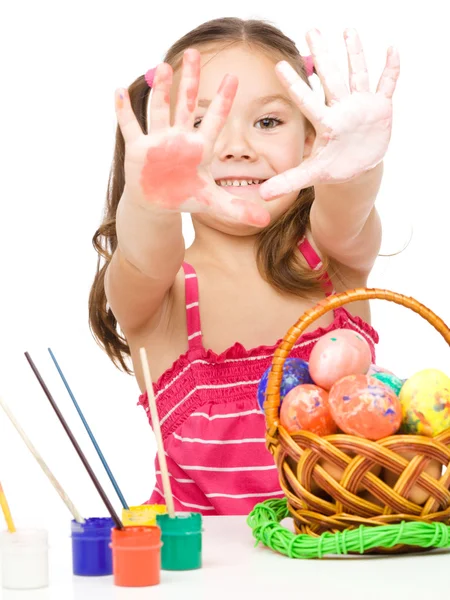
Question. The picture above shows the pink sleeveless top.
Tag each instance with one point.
(212, 427)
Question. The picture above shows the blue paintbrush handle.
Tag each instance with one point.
(91, 435)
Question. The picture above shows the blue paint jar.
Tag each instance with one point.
(91, 552)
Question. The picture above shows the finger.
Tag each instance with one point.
(219, 109)
(129, 126)
(160, 98)
(307, 101)
(188, 90)
(243, 211)
(390, 75)
(297, 178)
(330, 75)
(358, 74)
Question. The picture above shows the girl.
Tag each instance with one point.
(281, 189)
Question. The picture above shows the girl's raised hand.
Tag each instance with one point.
(353, 128)
(170, 167)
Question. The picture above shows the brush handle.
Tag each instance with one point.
(64, 497)
(91, 435)
(83, 459)
(157, 431)
(6, 511)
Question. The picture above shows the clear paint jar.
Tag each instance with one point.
(24, 559)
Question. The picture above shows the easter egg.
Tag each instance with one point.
(425, 401)
(337, 354)
(295, 372)
(365, 407)
(416, 494)
(392, 381)
(377, 369)
(306, 407)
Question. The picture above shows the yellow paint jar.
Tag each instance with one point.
(142, 516)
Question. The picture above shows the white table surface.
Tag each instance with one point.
(234, 568)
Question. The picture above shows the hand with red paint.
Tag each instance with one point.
(170, 167)
(353, 129)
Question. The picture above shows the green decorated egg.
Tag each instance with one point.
(392, 381)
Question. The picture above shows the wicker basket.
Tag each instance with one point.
(337, 506)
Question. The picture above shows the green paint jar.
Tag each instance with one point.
(182, 541)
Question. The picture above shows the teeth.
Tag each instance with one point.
(237, 182)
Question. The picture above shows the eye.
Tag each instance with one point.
(197, 122)
(268, 123)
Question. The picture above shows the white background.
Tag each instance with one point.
(60, 65)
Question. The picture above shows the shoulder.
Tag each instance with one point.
(342, 276)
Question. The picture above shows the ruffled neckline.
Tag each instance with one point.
(237, 350)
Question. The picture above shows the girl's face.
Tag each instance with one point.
(265, 133)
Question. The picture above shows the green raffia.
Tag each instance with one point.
(265, 518)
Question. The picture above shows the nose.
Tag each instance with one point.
(233, 144)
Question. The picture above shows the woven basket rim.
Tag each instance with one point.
(272, 401)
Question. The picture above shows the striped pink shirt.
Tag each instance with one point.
(213, 430)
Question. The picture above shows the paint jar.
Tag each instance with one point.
(142, 516)
(136, 556)
(24, 559)
(91, 552)
(182, 541)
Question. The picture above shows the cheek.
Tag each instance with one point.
(293, 150)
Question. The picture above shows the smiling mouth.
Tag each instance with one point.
(238, 182)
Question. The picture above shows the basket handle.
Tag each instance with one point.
(272, 402)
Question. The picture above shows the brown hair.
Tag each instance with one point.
(276, 254)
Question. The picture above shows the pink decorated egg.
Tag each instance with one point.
(365, 407)
(306, 407)
(337, 354)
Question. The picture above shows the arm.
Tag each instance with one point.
(352, 134)
(143, 268)
(150, 246)
(345, 224)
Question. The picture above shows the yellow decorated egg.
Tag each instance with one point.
(425, 400)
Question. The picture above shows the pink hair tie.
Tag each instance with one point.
(309, 65)
(150, 76)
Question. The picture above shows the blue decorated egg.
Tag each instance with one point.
(295, 372)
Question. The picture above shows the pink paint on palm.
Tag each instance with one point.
(338, 354)
(170, 175)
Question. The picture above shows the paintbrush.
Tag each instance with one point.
(65, 498)
(91, 435)
(6, 511)
(157, 430)
(75, 444)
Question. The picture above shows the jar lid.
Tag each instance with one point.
(23, 538)
(136, 536)
(95, 526)
(183, 523)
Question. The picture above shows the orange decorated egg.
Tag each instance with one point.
(306, 407)
(337, 354)
(365, 407)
